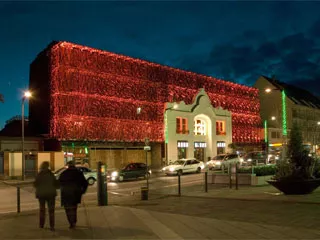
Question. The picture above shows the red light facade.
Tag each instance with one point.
(94, 96)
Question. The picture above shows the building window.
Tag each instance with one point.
(220, 127)
(275, 135)
(199, 127)
(182, 125)
(182, 149)
(199, 150)
(200, 144)
(221, 147)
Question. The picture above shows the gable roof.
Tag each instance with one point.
(297, 95)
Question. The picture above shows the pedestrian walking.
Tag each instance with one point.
(46, 191)
(73, 186)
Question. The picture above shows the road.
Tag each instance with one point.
(159, 185)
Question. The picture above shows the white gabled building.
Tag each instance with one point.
(197, 130)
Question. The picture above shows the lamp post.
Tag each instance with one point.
(146, 149)
(26, 95)
(284, 119)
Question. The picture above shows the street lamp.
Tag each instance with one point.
(26, 96)
(284, 118)
(146, 149)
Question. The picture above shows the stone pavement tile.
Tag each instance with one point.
(117, 223)
(259, 230)
(294, 232)
(189, 227)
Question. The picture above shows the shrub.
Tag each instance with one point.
(260, 170)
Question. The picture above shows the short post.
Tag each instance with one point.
(18, 199)
(179, 185)
(102, 185)
(206, 181)
(230, 176)
(237, 182)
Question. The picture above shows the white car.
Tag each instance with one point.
(90, 175)
(184, 166)
(223, 160)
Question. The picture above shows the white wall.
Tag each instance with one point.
(42, 157)
(15, 164)
(203, 109)
(58, 160)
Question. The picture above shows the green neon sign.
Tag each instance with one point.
(265, 131)
(284, 114)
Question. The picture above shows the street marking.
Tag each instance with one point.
(161, 230)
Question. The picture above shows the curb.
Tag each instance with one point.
(247, 199)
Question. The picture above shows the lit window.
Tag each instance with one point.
(220, 127)
(182, 125)
(183, 144)
(200, 144)
(199, 127)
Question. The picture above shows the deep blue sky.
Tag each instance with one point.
(235, 41)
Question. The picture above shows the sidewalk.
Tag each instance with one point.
(114, 222)
(252, 193)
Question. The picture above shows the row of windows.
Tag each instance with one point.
(200, 127)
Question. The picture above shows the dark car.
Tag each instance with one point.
(131, 171)
(255, 158)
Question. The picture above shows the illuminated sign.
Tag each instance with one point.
(183, 144)
(284, 114)
(275, 144)
(221, 144)
(200, 144)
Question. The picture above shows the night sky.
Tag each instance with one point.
(235, 41)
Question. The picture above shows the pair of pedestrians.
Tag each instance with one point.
(72, 184)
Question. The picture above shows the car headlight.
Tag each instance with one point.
(171, 169)
(202, 166)
(218, 163)
(249, 160)
(114, 174)
(163, 169)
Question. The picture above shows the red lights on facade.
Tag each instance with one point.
(94, 95)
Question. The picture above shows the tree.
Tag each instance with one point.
(300, 164)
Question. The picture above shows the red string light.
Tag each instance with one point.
(95, 94)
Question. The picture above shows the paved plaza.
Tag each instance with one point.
(222, 213)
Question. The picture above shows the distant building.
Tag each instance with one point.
(301, 107)
(100, 106)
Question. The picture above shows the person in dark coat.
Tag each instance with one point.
(46, 185)
(73, 186)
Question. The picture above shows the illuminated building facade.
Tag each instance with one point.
(89, 98)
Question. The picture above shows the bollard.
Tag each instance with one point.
(102, 185)
(179, 185)
(144, 193)
(237, 167)
(230, 176)
(18, 199)
(206, 181)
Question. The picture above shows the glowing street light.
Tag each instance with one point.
(284, 117)
(273, 118)
(26, 96)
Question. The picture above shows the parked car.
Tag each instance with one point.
(255, 158)
(89, 174)
(223, 160)
(131, 171)
(184, 166)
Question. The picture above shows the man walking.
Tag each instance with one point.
(46, 185)
(73, 185)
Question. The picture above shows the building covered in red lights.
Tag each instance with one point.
(100, 106)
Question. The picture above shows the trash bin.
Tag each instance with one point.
(144, 193)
